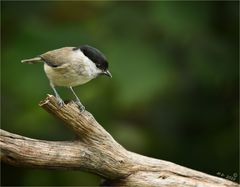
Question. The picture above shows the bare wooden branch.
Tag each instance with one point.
(97, 152)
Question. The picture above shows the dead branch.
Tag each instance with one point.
(97, 152)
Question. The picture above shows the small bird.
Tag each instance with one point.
(72, 66)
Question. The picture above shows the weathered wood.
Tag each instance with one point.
(97, 152)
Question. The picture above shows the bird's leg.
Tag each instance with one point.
(78, 102)
(59, 100)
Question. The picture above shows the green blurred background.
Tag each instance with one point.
(174, 91)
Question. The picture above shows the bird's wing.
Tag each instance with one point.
(58, 57)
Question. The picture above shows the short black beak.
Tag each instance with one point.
(107, 73)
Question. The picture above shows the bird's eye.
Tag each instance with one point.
(98, 65)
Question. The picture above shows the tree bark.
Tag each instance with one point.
(97, 152)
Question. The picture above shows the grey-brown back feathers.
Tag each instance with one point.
(58, 57)
(53, 58)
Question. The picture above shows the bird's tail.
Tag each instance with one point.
(32, 60)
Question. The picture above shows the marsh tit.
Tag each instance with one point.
(72, 66)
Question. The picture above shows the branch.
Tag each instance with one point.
(97, 152)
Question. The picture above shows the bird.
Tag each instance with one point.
(72, 66)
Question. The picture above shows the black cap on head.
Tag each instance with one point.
(94, 55)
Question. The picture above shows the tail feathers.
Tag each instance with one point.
(32, 60)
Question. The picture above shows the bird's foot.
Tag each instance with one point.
(80, 106)
(60, 102)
